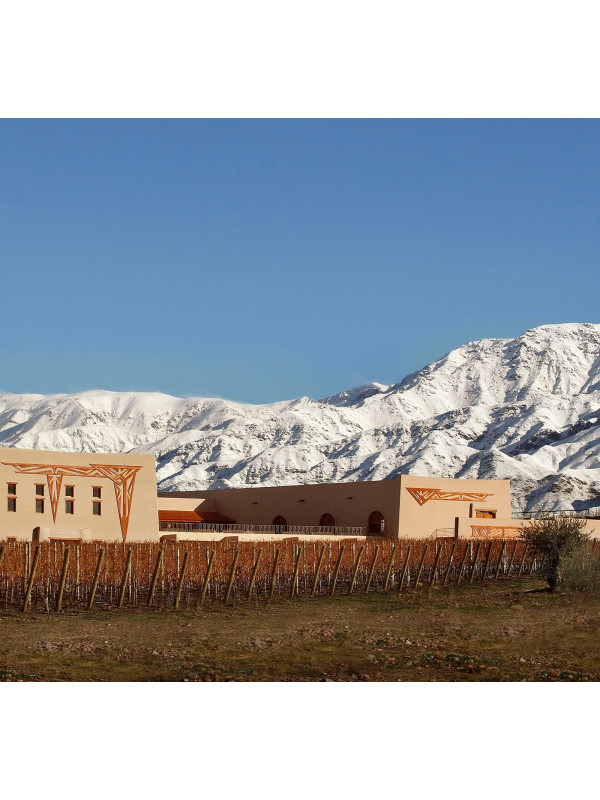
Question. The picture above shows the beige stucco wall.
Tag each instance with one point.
(350, 504)
(187, 503)
(143, 510)
(422, 521)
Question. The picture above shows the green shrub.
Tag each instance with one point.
(581, 571)
(556, 539)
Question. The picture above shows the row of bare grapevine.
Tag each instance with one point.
(31, 574)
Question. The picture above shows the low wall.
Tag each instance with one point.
(507, 528)
(252, 536)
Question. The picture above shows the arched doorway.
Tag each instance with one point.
(376, 524)
(280, 522)
(327, 521)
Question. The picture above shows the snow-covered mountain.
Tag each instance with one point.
(527, 409)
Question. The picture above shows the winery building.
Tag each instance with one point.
(85, 496)
(113, 497)
(406, 506)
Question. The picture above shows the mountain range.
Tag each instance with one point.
(526, 408)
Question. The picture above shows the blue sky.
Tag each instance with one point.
(264, 260)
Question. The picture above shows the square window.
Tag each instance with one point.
(69, 507)
(97, 491)
(39, 506)
(69, 491)
(12, 488)
(97, 509)
(39, 489)
(12, 503)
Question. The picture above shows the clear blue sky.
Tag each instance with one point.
(265, 260)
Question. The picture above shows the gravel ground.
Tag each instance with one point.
(504, 631)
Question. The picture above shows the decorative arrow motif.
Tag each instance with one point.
(423, 496)
(123, 478)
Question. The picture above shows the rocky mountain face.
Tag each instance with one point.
(527, 409)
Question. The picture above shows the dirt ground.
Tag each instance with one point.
(496, 632)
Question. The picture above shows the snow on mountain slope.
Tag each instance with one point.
(527, 409)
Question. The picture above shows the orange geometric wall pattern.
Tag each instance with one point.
(489, 532)
(123, 479)
(423, 496)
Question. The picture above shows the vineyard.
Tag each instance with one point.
(54, 576)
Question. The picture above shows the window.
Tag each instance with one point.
(327, 521)
(12, 496)
(69, 491)
(484, 514)
(97, 491)
(39, 489)
(97, 509)
(39, 506)
(69, 507)
(376, 524)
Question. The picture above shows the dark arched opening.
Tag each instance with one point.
(280, 522)
(376, 524)
(327, 521)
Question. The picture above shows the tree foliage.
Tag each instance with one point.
(556, 538)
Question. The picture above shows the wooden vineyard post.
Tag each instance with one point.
(372, 570)
(487, 561)
(425, 551)
(62, 579)
(125, 579)
(1, 560)
(186, 556)
(236, 556)
(474, 565)
(36, 557)
(405, 568)
(356, 566)
(207, 578)
(388, 573)
(337, 570)
(295, 574)
(99, 564)
(522, 564)
(254, 571)
(462, 564)
(154, 579)
(542, 562)
(274, 573)
(27, 564)
(319, 562)
(499, 564)
(435, 563)
(533, 558)
(447, 573)
(512, 558)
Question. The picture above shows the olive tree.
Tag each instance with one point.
(556, 538)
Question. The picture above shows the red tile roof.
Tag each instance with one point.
(192, 516)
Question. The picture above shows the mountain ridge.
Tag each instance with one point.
(526, 408)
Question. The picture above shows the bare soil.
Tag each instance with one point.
(500, 631)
